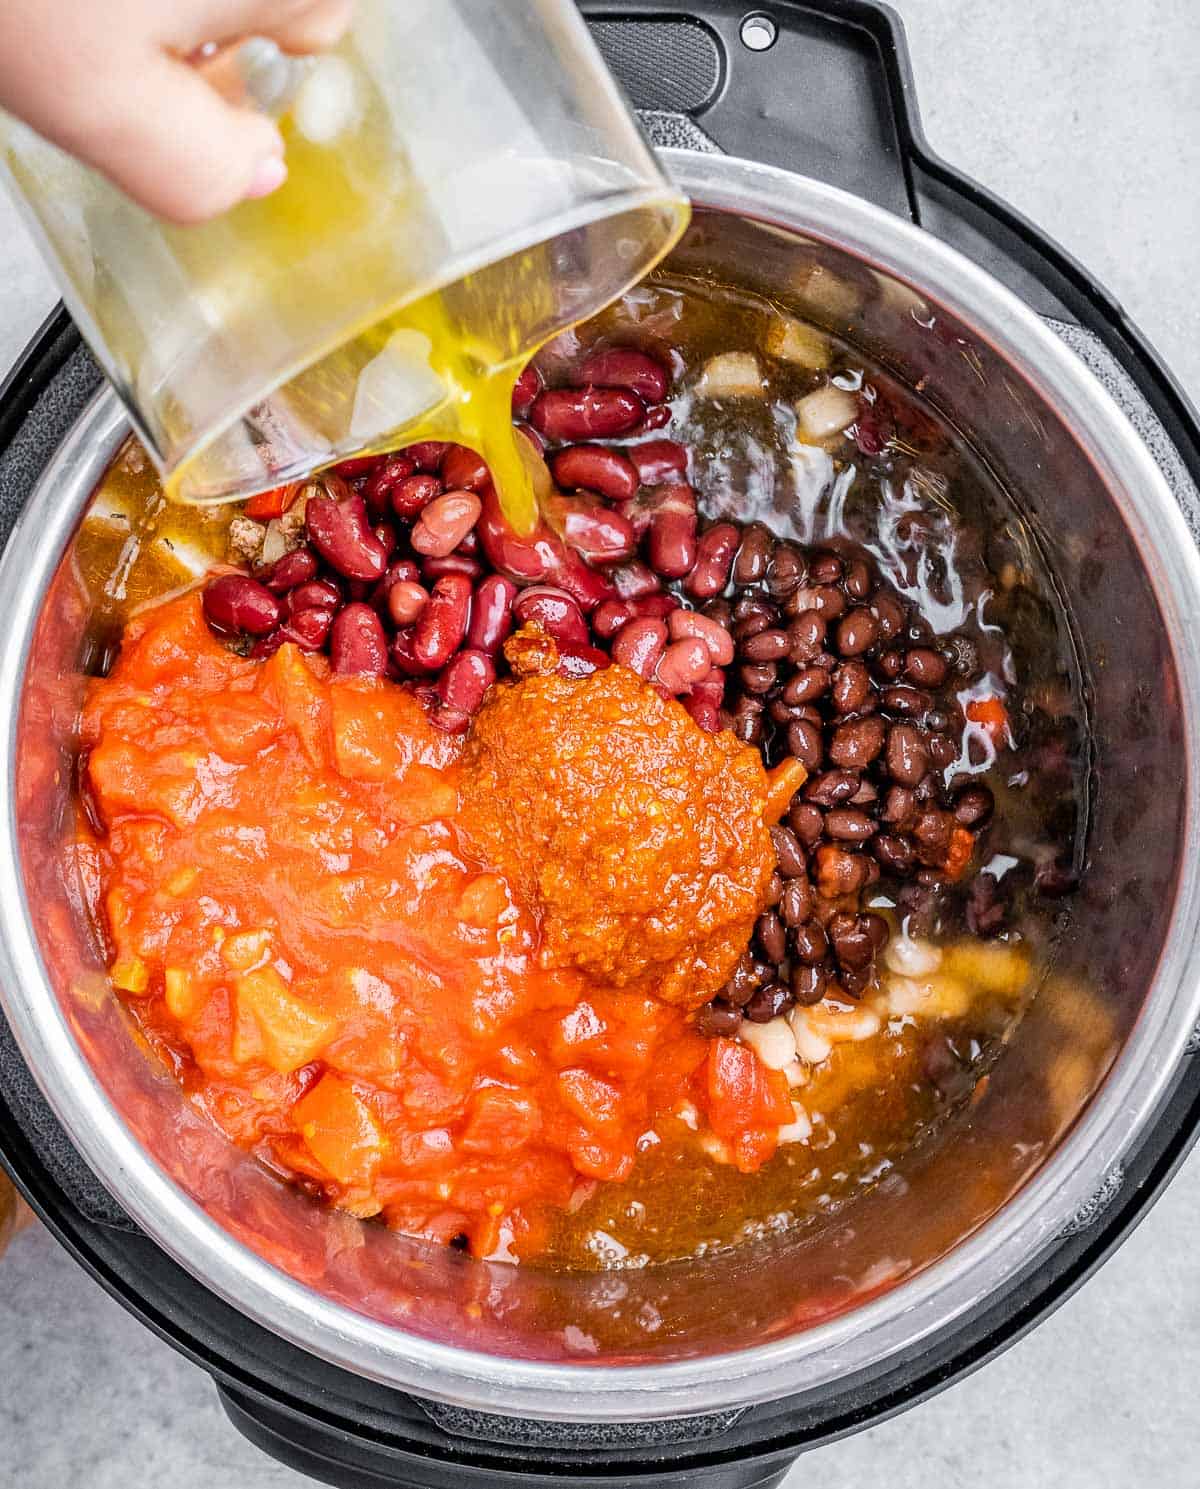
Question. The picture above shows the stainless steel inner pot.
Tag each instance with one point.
(960, 1216)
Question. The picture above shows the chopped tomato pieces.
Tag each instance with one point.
(992, 716)
(747, 1103)
(270, 504)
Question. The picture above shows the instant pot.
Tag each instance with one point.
(364, 1359)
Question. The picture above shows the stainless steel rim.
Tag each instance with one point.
(896, 1323)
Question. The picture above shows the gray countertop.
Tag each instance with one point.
(1087, 117)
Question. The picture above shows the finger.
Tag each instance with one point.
(177, 147)
(297, 25)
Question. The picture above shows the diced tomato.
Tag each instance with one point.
(340, 1131)
(270, 504)
(958, 856)
(275, 1026)
(595, 1101)
(747, 1103)
(499, 1121)
(992, 716)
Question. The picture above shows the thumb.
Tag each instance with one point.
(179, 149)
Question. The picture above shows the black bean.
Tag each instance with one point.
(827, 600)
(854, 981)
(766, 646)
(806, 821)
(754, 555)
(758, 677)
(893, 852)
(877, 928)
(718, 1017)
(890, 614)
(907, 702)
(775, 888)
(866, 795)
(851, 687)
(973, 806)
(852, 945)
(890, 664)
(857, 742)
(831, 788)
(1054, 880)
(748, 727)
(788, 850)
(899, 804)
(804, 741)
(858, 579)
(748, 976)
(786, 571)
(771, 936)
(750, 625)
(810, 943)
(806, 684)
(807, 635)
(808, 985)
(846, 825)
(942, 750)
(719, 610)
(907, 758)
(926, 667)
(769, 1002)
(932, 829)
(857, 632)
(937, 719)
(747, 605)
(825, 568)
(797, 903)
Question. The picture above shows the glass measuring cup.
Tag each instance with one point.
(465, 179)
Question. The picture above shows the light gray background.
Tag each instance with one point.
(1087, 117)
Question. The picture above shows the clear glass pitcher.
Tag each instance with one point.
(465, 180)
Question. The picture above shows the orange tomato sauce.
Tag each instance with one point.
(306, 929)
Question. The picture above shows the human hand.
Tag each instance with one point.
(107, 80)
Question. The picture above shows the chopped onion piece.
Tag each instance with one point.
(825, 412)
(732, 375)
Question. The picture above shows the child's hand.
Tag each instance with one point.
(107, 80)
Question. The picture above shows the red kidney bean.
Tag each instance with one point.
(556, 612)
(449, 720)
(714, 558)
(235, 604)
(445, 522)
(410, 497)
(385, 531)
(581, 661)
(464, 470)
(466, 678)
(609, 617)
(566, 415)
(307, 629)
(357, 642)
(528, 386)
(639, 645)
(689, 623)
(624, 367)
(704, 712)
(711, 686)
(357, 465)
(596, 468)
(452, 563)
(379, 488)
(491, 614)
(469, 546)
(405, 601)
(540, 557)
(428, 454)
(405, 661)
(293, 569)
(596, 532)
(443, 623)
(657, 417)
(339, 532)
(658, 462)
(320, 594)
(684, 663)
(585, 586)
(399, 571)
(660, 606)
(672, 542)
(634, 581)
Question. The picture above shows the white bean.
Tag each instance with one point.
(773, 1042)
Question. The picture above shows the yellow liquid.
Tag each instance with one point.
(356, 209)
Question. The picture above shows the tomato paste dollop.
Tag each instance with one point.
(317, 920)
